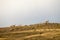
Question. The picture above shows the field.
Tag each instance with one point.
(49, 31)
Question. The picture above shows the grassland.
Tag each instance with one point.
(44, 31)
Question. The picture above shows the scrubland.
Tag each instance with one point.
(39, 31)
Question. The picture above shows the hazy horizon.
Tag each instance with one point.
(20, 12)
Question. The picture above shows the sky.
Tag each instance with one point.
(20, 12)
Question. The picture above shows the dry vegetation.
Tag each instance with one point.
(44, 31)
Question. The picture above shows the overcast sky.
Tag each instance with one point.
(28, 11)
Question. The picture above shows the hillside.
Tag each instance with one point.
(39, 31)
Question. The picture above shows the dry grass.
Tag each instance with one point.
(50, 31)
